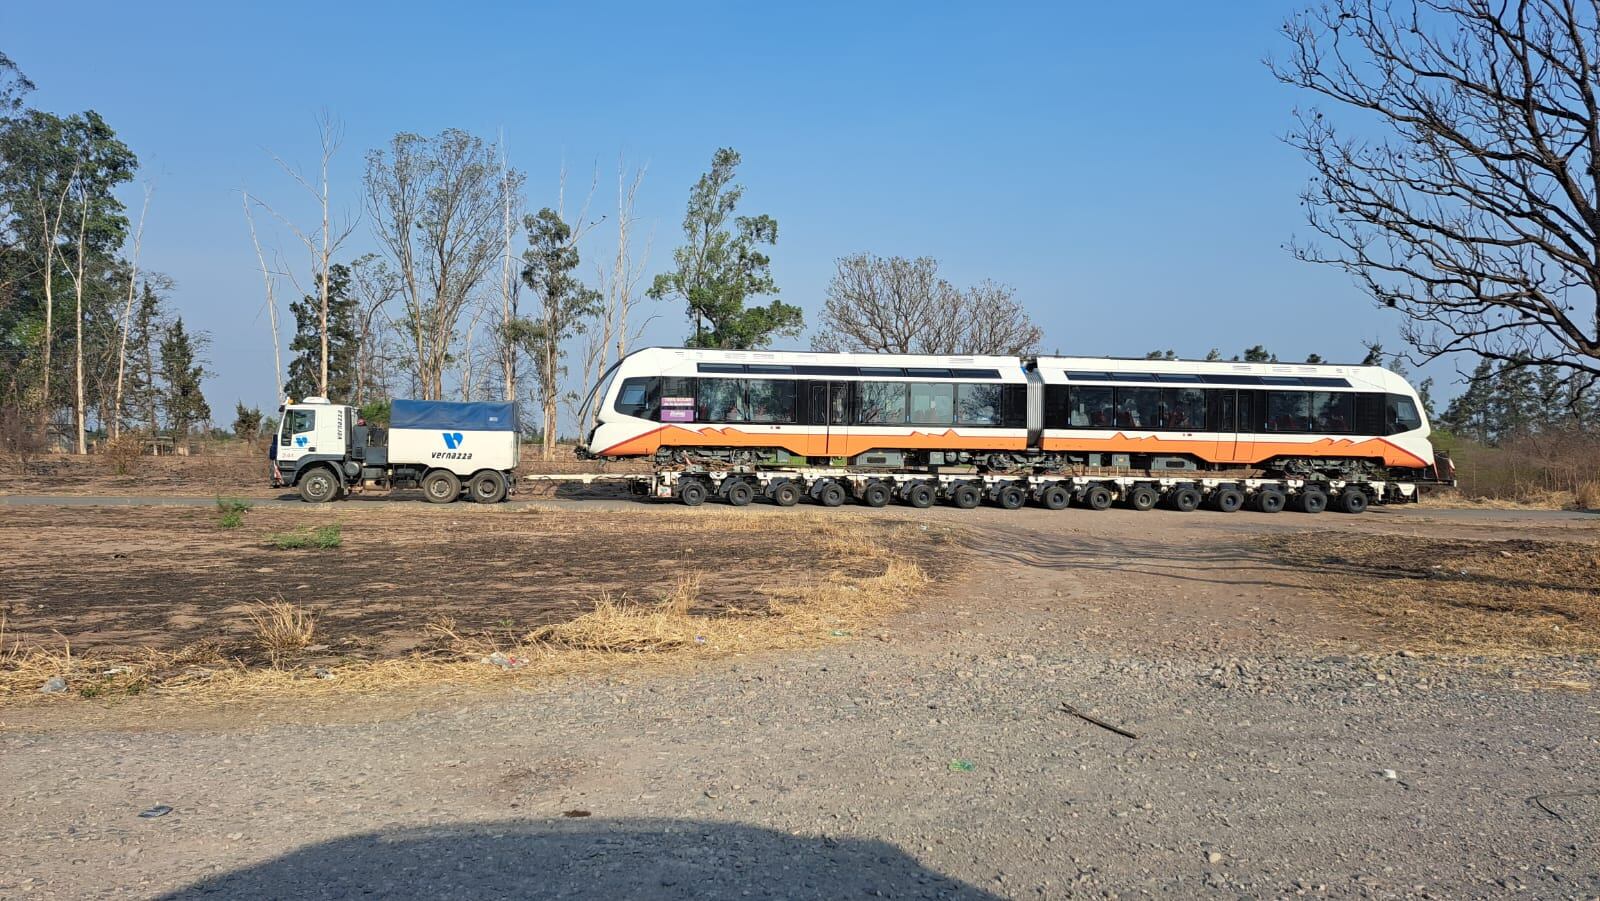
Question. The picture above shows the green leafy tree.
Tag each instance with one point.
(1259, 354)
(720, 267)
(246, 422)
(305, 368)
(565, 303)
(143, 395)
(1161, 355)
(181, 371)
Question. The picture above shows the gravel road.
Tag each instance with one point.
(1280, 751)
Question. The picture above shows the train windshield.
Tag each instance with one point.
(589, 412)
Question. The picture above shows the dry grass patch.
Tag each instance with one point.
(1458, 596)
(281, 629)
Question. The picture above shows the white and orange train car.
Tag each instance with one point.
(686, 408)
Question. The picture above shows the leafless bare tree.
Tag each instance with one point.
(127, 313)
(1477, 215)
(899, 305)
(49, 235)
(505, 339)
(619, 283)
(268, 279)
(436, 206)
(373, 285)
(79, 413)
(324, 241)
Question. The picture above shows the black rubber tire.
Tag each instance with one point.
(487, 487)
(966, 496)
(740, 493)
(831, 494)
(1311, 500)
(1227, 500)
(692, 492)
(785, 494)
(876, 494)
(441, 487)
(1055, 497)
(1143, 497)
(1352, 500)
(1011, 497)
(1270, 500)
(319, 486)
(1184, 500)
(919, 496)
(1097, 497)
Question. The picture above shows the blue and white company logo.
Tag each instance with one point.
(452, 440)
(301, 440)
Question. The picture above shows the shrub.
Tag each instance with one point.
(321, 538)
(281, 628)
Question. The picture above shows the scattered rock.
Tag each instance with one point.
(1213, 857)
(1391, 775)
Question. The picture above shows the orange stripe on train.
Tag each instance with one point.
(849, 445)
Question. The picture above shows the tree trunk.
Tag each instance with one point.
(550, 398)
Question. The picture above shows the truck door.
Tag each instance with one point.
(829, 413)
(297, 435)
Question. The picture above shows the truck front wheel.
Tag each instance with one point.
(319, 486)
(441, 486)
(488, 487)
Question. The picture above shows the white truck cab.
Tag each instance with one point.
(441, 447)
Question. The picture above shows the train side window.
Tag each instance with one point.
(1332, 411)
(1287, 411)
(1057, 408)
(881, 403)
(978, 404)
(639, 397)
(720, 400)
(931, 404)
(1138, 408)
(1091, 408)
(1369, 414)
(1014, 406)
(1401, 415)
(771, 400)
(1183, 409)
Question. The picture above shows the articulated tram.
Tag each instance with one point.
(688, 409)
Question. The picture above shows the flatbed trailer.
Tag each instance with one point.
(834, 486)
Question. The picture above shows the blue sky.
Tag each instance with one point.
(1120, 166)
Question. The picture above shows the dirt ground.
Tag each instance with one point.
(110, 579)
(232, 470)
(1290, 741)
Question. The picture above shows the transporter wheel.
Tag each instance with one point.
(488, 487)
(966, 495)
(1352, 500)
(876, 494)
(692, 492)
(785, 494)
(1184, 500)
(1228, 500)
(319, 486)
(1097, 497)
(919, 496)
(831, 495)
(1270, 500)
(1055, 497)
(1143, 497)
(1011, 497)
(1311, 500)
(441, 487)
(740, 493)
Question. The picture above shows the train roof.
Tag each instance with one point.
(713, 355)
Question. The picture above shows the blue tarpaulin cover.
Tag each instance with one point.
(444, 414)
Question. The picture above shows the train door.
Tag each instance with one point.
(829, 413)
(1236, 419)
